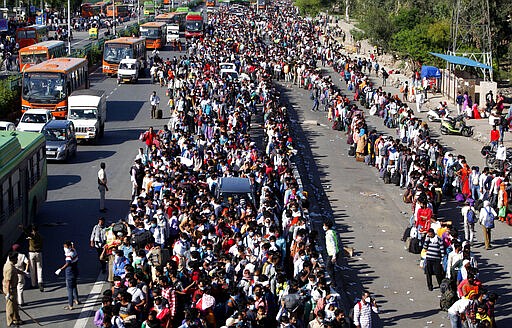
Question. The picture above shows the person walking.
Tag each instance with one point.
(102, 186)
(35, 256)
(435, 252)
(486, 219)
(22, 264)
(155, 101)
(70, 268)
(9, 286)
(363, 311)
(98, 240)
(333, 249)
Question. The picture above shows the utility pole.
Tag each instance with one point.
(114, 17)
(138, 12)
(69, 27)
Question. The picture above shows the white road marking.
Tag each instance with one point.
(91, 302)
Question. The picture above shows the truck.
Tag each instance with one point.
(128, 70)
(173, 32)
(87, 109)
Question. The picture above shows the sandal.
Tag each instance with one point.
(77, 302)
(67, 307)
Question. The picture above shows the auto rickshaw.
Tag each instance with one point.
(93, 33)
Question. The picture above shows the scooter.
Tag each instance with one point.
(449, 126)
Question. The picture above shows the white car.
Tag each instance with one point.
(128, 70)
(229, 74)
(227, 66)
(33, 120)
(7, 126)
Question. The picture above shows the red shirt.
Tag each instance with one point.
(423, 219)
(495, 135)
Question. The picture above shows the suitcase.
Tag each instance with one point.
(352, 151)
(387, 177)
(159, 114)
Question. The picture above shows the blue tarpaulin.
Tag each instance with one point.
(464, 61)
(430, 71)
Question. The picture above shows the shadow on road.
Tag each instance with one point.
(119, 110)
(56, 182)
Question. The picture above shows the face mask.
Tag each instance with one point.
(201, 288)
(251, 233)
(367, 300)
(252, 307)
(273, 243)
(325, 228)
(256, 278)
(65, 249)
(303, 258)
(153, 225)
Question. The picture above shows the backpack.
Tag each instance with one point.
(119, 227)
(447, 300)
(471, 216)
(414, 246)
(387, 177)
(445, 285)
(489, 219)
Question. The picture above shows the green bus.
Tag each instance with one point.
(149, 8)
(23, 182)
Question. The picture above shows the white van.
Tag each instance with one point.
(33, 120)
(87, 109)
(173, 32)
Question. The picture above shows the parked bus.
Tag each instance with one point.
(210, 3)
(179, 18)
(89, 10)
(23, 183)
(262, 4)
(47, 85)
(155, 34)
(182, 10)
(166, 18)
(40, 52)
(29, 35)
(120, 11)
(121, 48)
(149, 8)
(194, 25)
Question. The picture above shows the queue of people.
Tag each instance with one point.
(427, 174)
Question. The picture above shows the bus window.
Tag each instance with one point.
(16, 192)
(21, 35)
(5, 197)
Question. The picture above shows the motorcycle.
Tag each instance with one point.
(436, 114)
(456, 125)
(489, 153)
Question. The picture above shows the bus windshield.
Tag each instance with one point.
(33, 58)
(194, 26)
(46, 88)
(54, 134)
(83, 114)
(114, 52)
(150, 33)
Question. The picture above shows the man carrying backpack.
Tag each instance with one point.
(486, 219)
(469, 215)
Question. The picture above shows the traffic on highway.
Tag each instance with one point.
(162, 188)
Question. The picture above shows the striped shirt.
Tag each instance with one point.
(363, 314)
(434, 247)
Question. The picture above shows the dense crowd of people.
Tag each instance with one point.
(188, 255)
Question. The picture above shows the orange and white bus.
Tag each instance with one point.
(210, 3)
(40, 52)
(121, 48)
(47, 85)
(120, 10)
(29, 35)
(155, 34)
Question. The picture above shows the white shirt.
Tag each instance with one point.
(459, 306)
(102, 176)
(137, 294)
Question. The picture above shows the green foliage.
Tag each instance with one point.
(309, 7)
(9, 99)
(378, 27)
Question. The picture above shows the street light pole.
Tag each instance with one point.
(69, 27)
(114, 17)
(138, 12)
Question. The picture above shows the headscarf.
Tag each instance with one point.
(361, 132)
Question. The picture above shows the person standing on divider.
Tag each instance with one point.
(102, 186)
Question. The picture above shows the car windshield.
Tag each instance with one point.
(55, 134)
(83, 114)
(33, 58)
(150, 33)
(44, 88)
(127, 66)
(114, 52)
(194, 26)
(33, 118)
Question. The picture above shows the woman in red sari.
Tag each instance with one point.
(464, 173)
